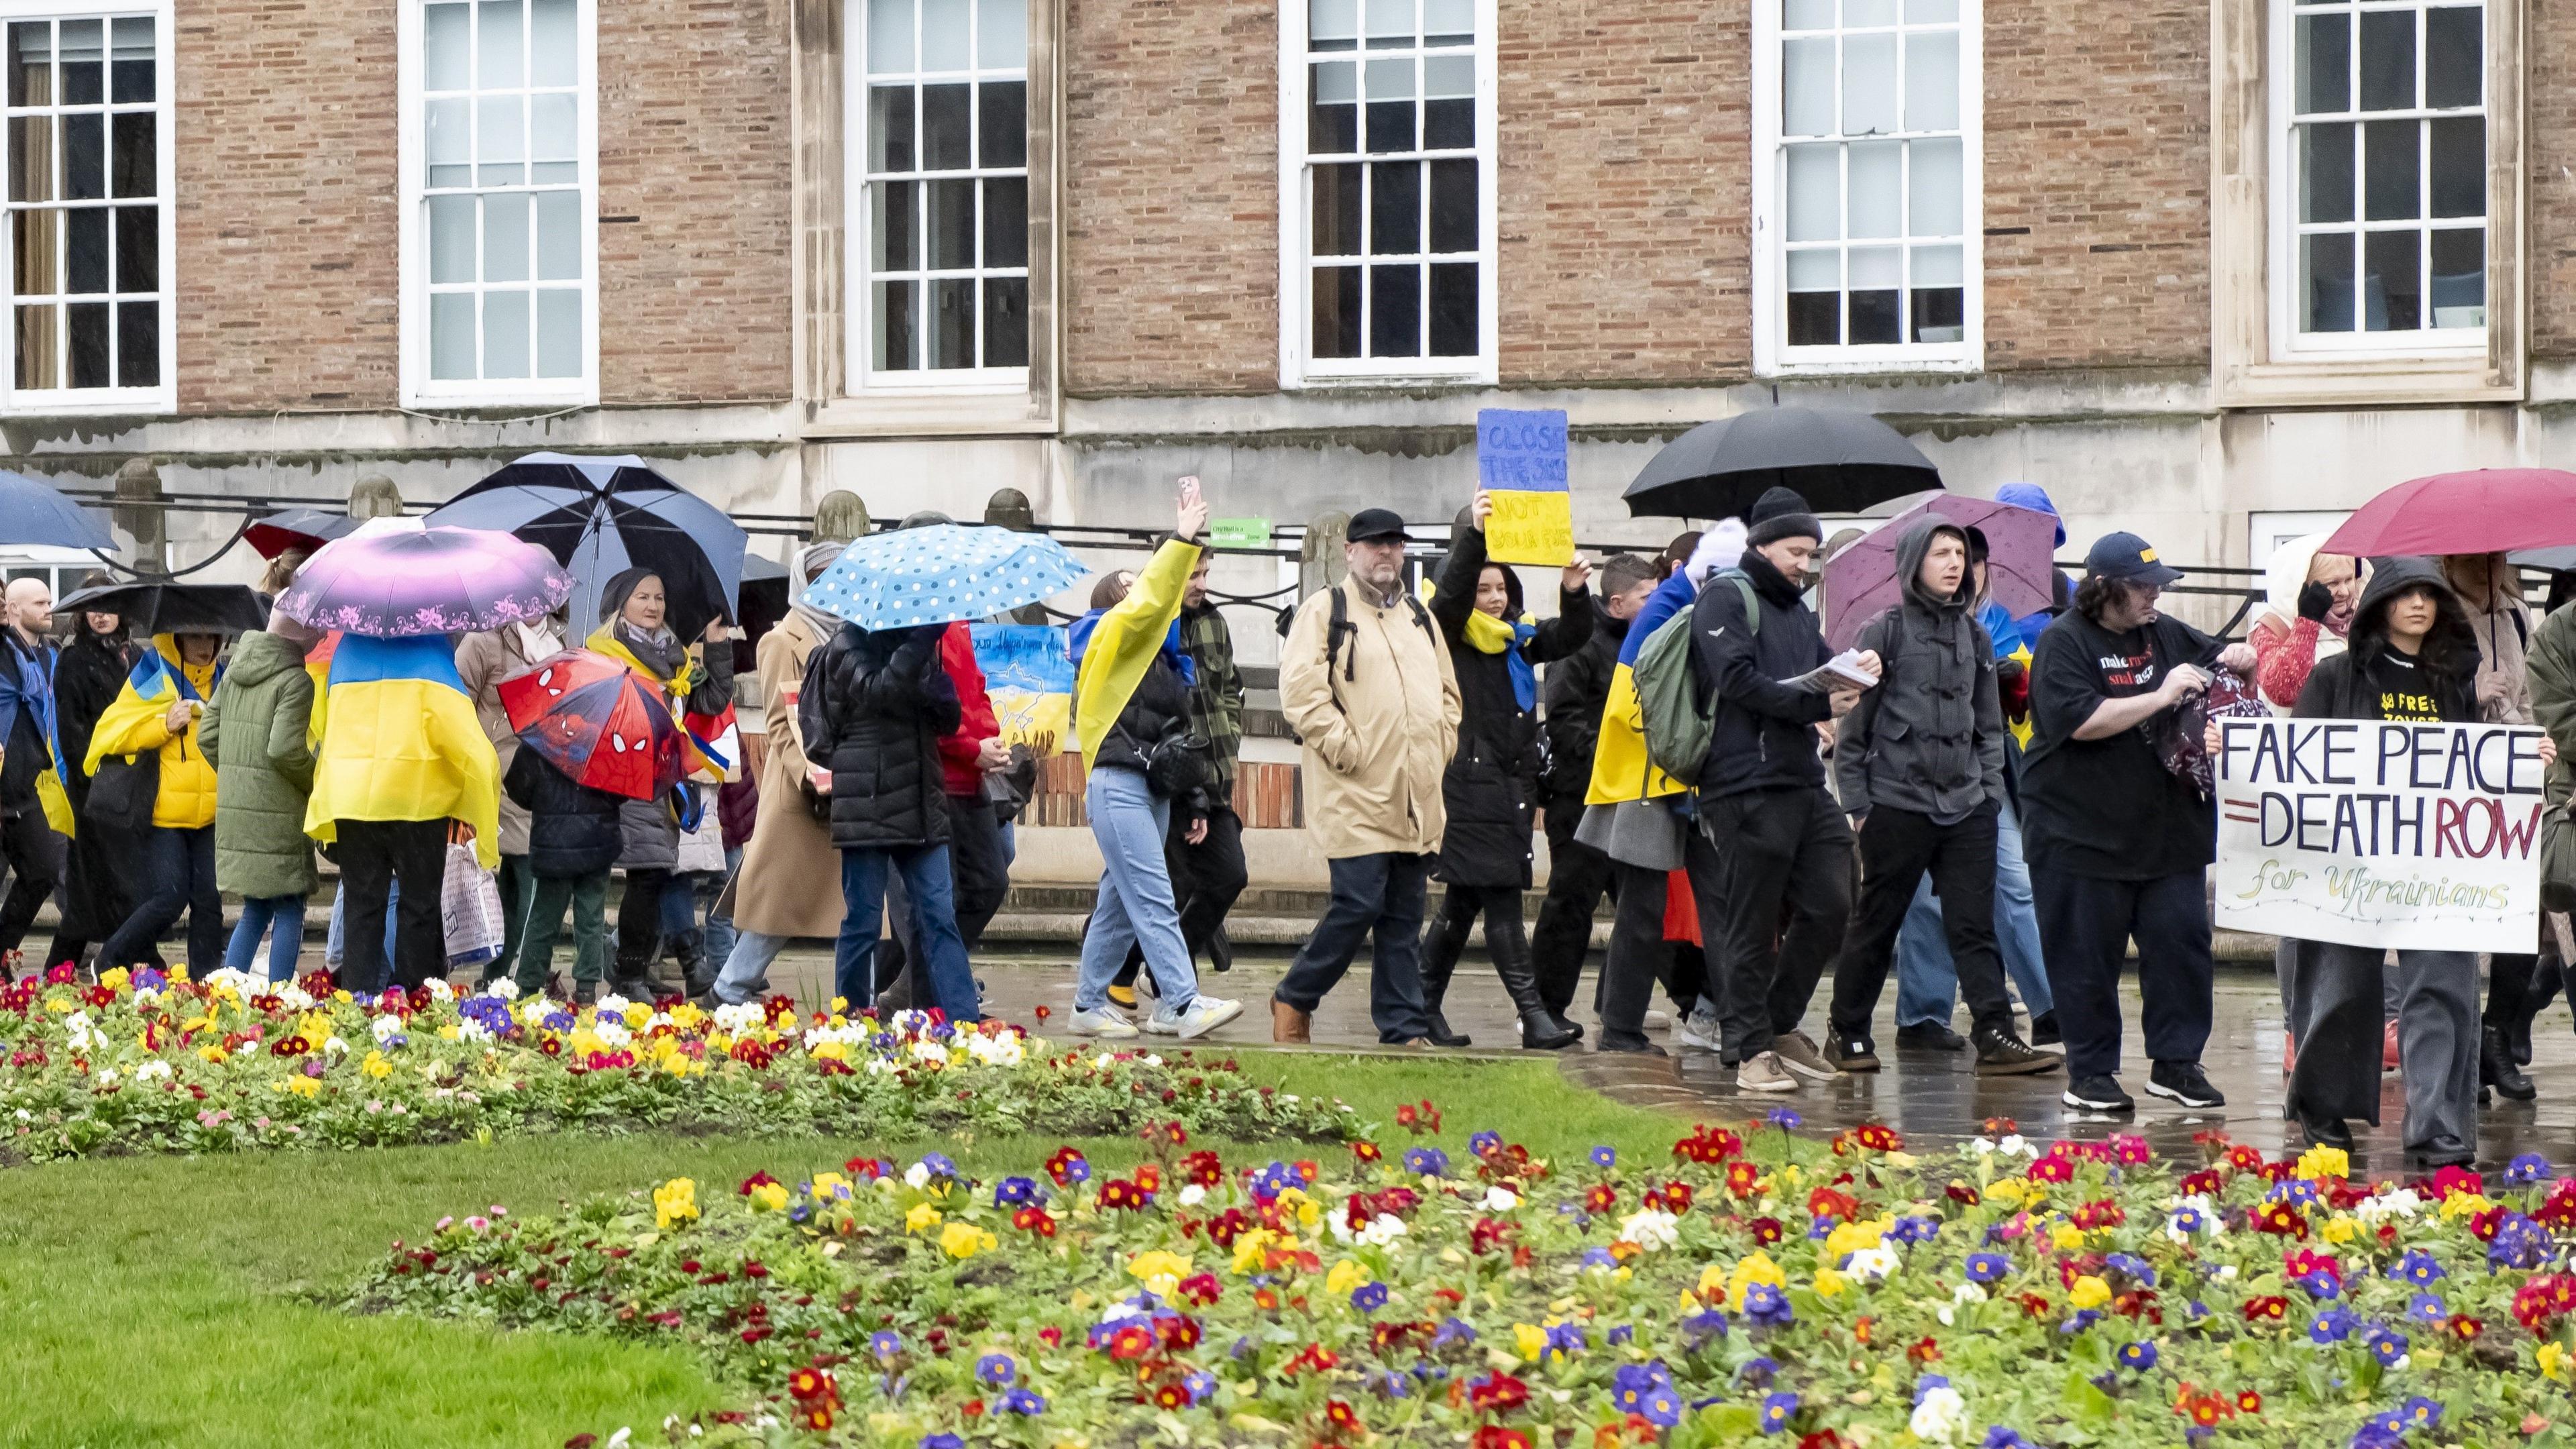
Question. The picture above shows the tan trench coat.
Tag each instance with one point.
(482, 662)
(1376, 742)
(790, 881)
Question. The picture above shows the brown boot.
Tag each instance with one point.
(1287, 1023)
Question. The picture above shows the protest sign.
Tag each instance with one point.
(1028, 674)
(1520, 460)
(2380, 833)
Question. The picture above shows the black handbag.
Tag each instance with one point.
(1176, 763)
(122, 792)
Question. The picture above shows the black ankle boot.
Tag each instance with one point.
(1441, 1036)
(1541, 1032)
(2496, 1067)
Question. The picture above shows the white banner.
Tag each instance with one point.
(2381, 833)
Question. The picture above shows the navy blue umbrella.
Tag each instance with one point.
(602, 516)
(33, 512)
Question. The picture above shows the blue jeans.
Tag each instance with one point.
(1135, 906)
(746, 963)
(259, 913)
(720, 931)
(1927, 982)
(934, 926)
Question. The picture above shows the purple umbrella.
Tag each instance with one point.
(394, 585)
(1860, 582)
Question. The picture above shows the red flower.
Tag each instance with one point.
(2103, 1213)
(1034, 1219)
(1366, 1151)
(1708, 1144)
(812, 1383)
(1495, 1436)
(1341, 1415)
(2205, 1410)
(2203, 1183)
(1062, 1163)
(1766, 1231)
(2248, 1402)
(1601, 1199)
(1203, 1168)
(1877, 1137)
(2051, 1169)
(1497, 1392)
(1961, 1193)
(1171, 1396)
(2270, 1306)
(2282, 1220)
(2304, 1261)
(757, 1179)
(2559, 1211)
(2464, 1328)
(1823, 1439)
(1201, 1289)
(1741, 1176)
(2451, 1180)
(1130, 1340)
(2245, 1159)
(1924, 1350)
(1824, 1202)
(2486, 1224)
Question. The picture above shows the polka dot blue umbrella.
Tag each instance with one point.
(941, 573)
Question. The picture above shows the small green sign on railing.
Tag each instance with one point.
(1240, 532)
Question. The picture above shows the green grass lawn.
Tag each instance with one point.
(152, 1301)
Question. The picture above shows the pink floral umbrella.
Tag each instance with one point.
(431, 581)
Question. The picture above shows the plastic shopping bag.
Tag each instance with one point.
(472, 905)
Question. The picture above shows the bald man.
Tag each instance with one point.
(29, 848)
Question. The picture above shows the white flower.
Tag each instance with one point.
(2226, 1273)
(740, 1017)
(1151, 1060)
(1104, 1061)
(240, 983)
(439, 990)
(1941, 1415)
(1981, 1146)
(1650, 1229)
(152, 1070)
(930, 1051)
(384, 1027)
(332, 1046)
(294, 997)
(470, 1030)
(610, 1004)
(917, 1175)
(1381, 1230)
(1500, 1200)
(996, 1050)
(2402, 1202)
(1193, 1195)
(1948, 1318)
(1967, 1293)
(612, 1034)
(107, 1076)
(503, 987)
(2015, 1146)
(1872, 1263)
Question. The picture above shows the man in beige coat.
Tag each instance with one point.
(1365, 681)
(790, 881)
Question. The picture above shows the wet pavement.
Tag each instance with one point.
(1931, 1096)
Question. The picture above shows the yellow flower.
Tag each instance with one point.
(1248, 1249)
(964, 1240)
(637, 1013)
(2464, 1205)
(377, 1065)
(675, 1201)
(304, 1086)
(58, 1004)
(1756, 1269)
(1159, 1271)
(2553, 1361)
(769, 1197)
(212, 1054)
(2089, 1292)
(1530, 1339)
(2340, 1229)
(1829, 1284)
(678, 1065)
(685, 1016)
(1712, 1282)
(830, 1185)
(833, 1050)
(114, 978)
(1852, 1236)
(921, 1216)
(1346, 1275)
(2321, 1162)
(448, 1032)
(2066, 1237)
(2008, 1189)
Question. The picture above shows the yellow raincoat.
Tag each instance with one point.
(135, 721)
(401, 741)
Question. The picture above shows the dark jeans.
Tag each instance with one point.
(930, 888)
(1896, 848)
(1380, 894)
(180, 865)
(1206, 878)
(2510, 993)
(1577, 877)
(1783, 849)
(982, 878)
(1639, 954)
(518, 886)
(373, 855)
(639, 922)
(2085, 924)
(34, 856)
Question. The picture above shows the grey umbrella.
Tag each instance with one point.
(34, 512)
(1841, 462)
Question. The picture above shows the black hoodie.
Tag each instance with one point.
(1576, 691)
(1763, 733)
(1930, 737)
(2366, 682)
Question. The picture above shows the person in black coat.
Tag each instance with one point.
(872, 710)
(573, 839)
(98, 889)
(1491, 785)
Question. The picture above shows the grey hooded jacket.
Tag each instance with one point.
(1930, 737)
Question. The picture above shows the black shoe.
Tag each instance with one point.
(633, 988)
(1540, 1032)
(1634, 1046)
(2434, 1159)
(1854, 1053)
(2097, 1094)
(2326, 1132)
(1565, 1023)
(2496, 1067)
(1441, 1036)
(1931, 1034)
(2043, 1030)
(2183, 1082)
(1220, 951)
(585, 993)
(2002, 1054)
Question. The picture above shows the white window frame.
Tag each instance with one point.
(2289, 343)
(93, 401)
(1298, 368)
(419, 389)
(1772, 354)
(865, 379)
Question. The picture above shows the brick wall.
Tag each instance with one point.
(1171, 211)
(2097, 184)
(2549, 30)
(694, 147)
(1626, 153)
(285, 169)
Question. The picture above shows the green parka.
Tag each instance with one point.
(255, 735)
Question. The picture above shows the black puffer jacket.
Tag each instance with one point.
(1492, 781)
(572, 828)
(873, 708)
(1576, 691)
(1762, 736)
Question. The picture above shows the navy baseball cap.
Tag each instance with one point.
(2128, 559)
(1370, 525)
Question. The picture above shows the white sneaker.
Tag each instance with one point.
(1161, 1021)
(1103, 1020)
(1204, 1014)
(1700, 1029)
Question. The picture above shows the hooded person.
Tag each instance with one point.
(2308, 601)
(2413, 657)
(2061, 589)
(98, 892)
(1490, 788)
(1920, 764)
(152, 725)
(697, 684)
(257, 735)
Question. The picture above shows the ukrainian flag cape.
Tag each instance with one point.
(1620, 770)
(401, 741)
(1122, 645)
(132, 724)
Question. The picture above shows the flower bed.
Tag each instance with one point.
(150, 1064)
(1836, 1295)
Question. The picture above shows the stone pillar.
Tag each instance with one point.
(1009, 508)
(140, 480)
(842, 517)
(1320, 563)
(375, 496)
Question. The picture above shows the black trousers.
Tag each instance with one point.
(1639, 954)
(2085, 925)
(1206, 878)
(2510, 990)
(1896, 847)
(1785, 850)
(1506, 939)
(976, 865)
(1577, 877)
(1372, 894)
(373, 855)
(34, 855)
(639, 922)
(99, 893)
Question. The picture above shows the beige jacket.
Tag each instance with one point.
(482, 662)
(790, 881)
(1377, 741)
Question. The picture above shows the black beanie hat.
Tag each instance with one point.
(1781, 513)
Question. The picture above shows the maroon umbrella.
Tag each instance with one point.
(2486, 510)
(1860, 582)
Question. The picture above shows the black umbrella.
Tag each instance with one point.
(600, 516)
(304, 528)
(1840, 462)
(150, 607)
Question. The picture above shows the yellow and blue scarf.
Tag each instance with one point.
(1490, 635)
